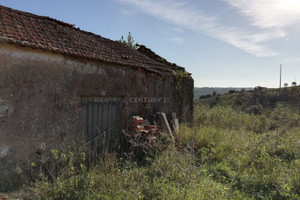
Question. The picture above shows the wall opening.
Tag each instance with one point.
(101, 123)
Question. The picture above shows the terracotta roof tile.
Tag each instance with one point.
(39, 32)
(148, 52)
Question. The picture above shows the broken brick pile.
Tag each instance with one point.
(141, 126)
(141, 134)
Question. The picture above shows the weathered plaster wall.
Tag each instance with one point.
(40, 96)
(183, 97)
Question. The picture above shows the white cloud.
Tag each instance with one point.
(178, 39)
(269, 13)
(246, 42)
(253, 41)
(171, 11)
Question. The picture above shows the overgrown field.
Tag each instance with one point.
(230, 152)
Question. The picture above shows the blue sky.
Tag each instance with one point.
(223, 43)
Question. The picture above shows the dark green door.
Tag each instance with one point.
(101, 123)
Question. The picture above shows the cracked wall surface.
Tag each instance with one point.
(40, 101)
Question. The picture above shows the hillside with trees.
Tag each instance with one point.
(257, 101)
(206, 91)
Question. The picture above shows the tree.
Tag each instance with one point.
(130, 41)
(294, 83)
(286, 84)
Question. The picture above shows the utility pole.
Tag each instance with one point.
(280, 76)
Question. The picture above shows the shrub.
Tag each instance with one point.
(64, 176)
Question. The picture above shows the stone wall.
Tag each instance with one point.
(40, 101)
(183, 103)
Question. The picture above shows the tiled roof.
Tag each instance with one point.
(148, 52)
(39, 32)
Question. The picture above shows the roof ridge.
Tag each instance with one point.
(49, 34)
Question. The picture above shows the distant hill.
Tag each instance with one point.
(201, 91)
(258, 100)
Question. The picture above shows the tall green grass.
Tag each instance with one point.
(227, 154)
(227, 117)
